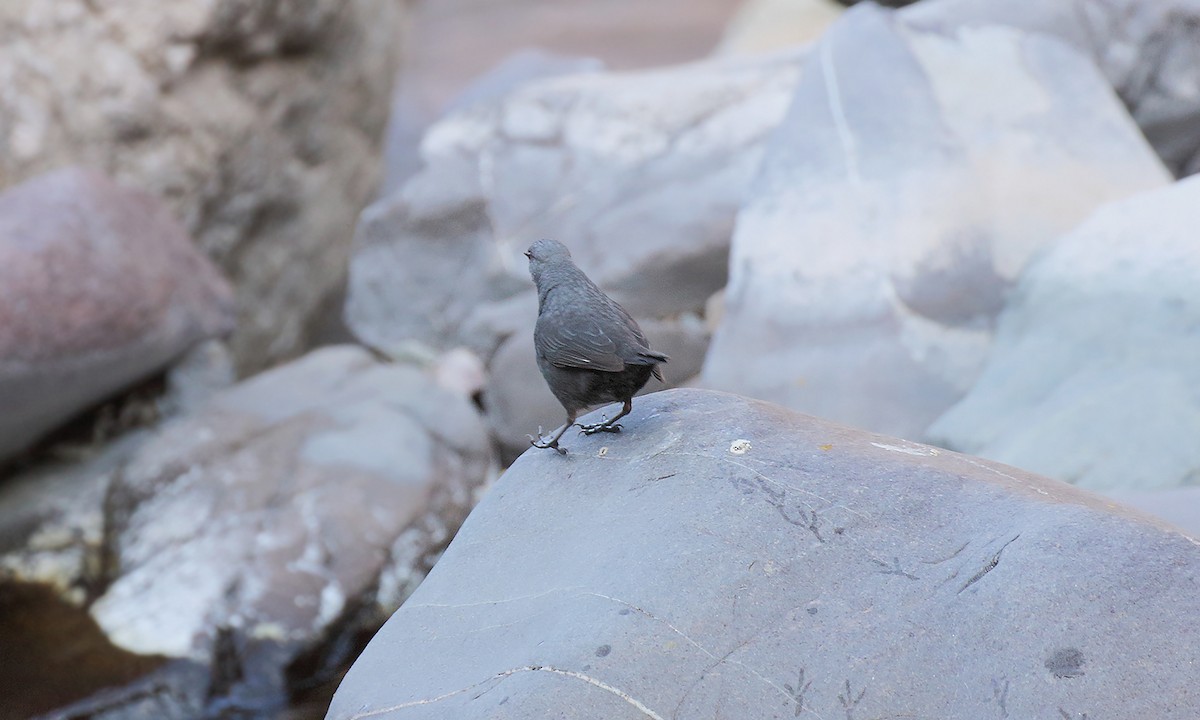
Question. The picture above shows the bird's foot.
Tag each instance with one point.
(541, 442)
(594, 428)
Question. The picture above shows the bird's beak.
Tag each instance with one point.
(528, 254)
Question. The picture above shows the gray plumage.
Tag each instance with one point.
(588, 348)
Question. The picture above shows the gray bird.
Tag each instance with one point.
(588, 348)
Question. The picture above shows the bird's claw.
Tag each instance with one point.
(540, 442)
(599, 427)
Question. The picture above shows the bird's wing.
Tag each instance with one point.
(635, 349)
(581, 343)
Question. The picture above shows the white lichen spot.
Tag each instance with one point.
(603, 452)
(909, 449)
(333, 601)
(178, 57)
(739, 447)
(27, 138)
(269, 631)
(529, 120)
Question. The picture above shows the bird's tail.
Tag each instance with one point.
(653, 357)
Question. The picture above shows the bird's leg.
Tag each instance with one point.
(608, 425)
(541, 442)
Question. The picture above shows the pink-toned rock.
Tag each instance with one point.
(99, 287)
(257, 122)
(460, 371)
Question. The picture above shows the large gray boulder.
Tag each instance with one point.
(99, 288)
(257, 122)
(724, 557)
(915, 174)
(1093, 375)
(240, 551)
(1149, 51)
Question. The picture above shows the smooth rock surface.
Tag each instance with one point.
(1094, 373)
(724, 557)
(257, 122)
(254, 539)
(915, 174)
(99, 288)
(1149, 51)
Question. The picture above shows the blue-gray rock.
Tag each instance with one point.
(1094, 372)
(914, 176)
(1149, 51)
(727, 558)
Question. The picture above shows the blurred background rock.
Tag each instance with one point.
(265, 327)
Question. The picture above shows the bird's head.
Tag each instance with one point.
(546, 253)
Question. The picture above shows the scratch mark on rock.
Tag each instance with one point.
(987, 568)
(810, 521)
(837, 111)
(603, 686)
(996, 471)
(1000, 695)
(481, 603)
(949, 557)
(782, 487)
(698, 646)
(577, 591)
(595, 682)
(829, 504)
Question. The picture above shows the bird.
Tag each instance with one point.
(589, 349)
